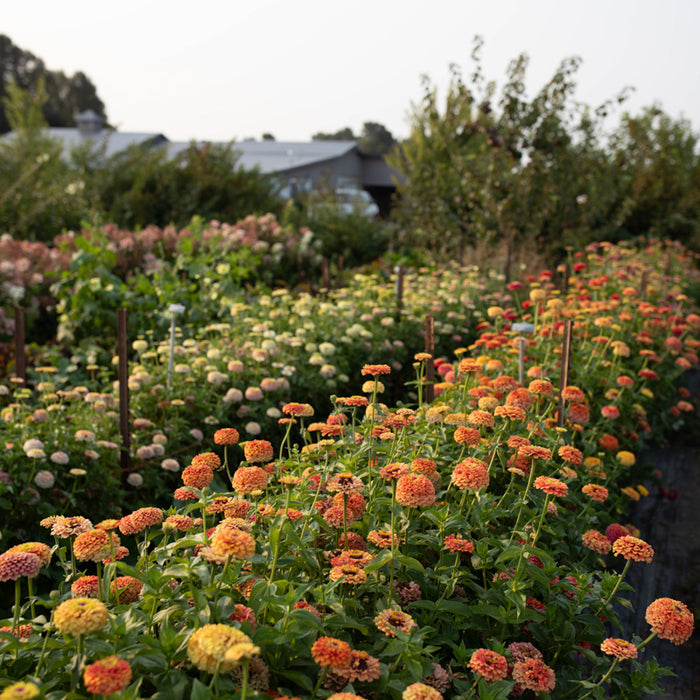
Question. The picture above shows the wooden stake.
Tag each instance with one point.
(430, 365)
(564, 376)
(399, 291)
(20, 353)
(123, 351)
(325, 277)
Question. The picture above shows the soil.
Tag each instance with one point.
(670, 522)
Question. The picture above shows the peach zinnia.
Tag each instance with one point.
(375, 370)
(211, 459)
(472, 474)
(391, 621)
(456, 543)
(596, 492)
(535, 675)
(329, 651)
(619, 648)
(226, 436)
(421, 691)
(249, 480)
(596, 541)
(228, 542)
(670, 619)
(633, 548)
(197, 476)
(414, 490)
(551, 486)
(489, 664)
(258, 451)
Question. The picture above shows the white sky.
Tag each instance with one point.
(230, 69)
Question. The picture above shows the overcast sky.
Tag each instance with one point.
(231, 69)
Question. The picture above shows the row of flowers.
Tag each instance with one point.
(469, 546)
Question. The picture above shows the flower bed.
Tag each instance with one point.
(472, 546)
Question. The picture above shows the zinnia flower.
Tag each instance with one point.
(535, 675)
(489, 664)
(554, 487)
(127, 588)
(197, 476)
(249, 479)
(208, 645)
(472, 474)
(619, 648)
(85, 587)
(258, 451)
(20, 690)
(14, 565)
(363, 667)
(414, 490)
(43, 551)
(633, 548)
(80, 616)
(211, 459)
(107, 676)
(467, 436)
(390, 621)
(421, 691)
(596, 541)
(226, 436)
(233, 543)
(570, 454)
(596, 492)
(329, 651)
(349, 573)
(670, 619)
(375, 370)
(456, 543)
(95, 545)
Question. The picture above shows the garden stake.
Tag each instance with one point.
(564, 376)
(399, 269)
(20, 356)
(123, 352)
(430, 366)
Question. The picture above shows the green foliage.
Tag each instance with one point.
(40, 194)
(66, 96)
(540, 171)
(138, 187)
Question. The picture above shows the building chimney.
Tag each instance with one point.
(89, 123)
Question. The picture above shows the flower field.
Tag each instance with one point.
(304, 516)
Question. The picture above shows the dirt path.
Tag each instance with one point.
(672, 527)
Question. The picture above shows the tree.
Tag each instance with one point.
(376, 139)
(66, 96)
(345, 134)
(268, 137)
(484, 169)
(40, 194)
